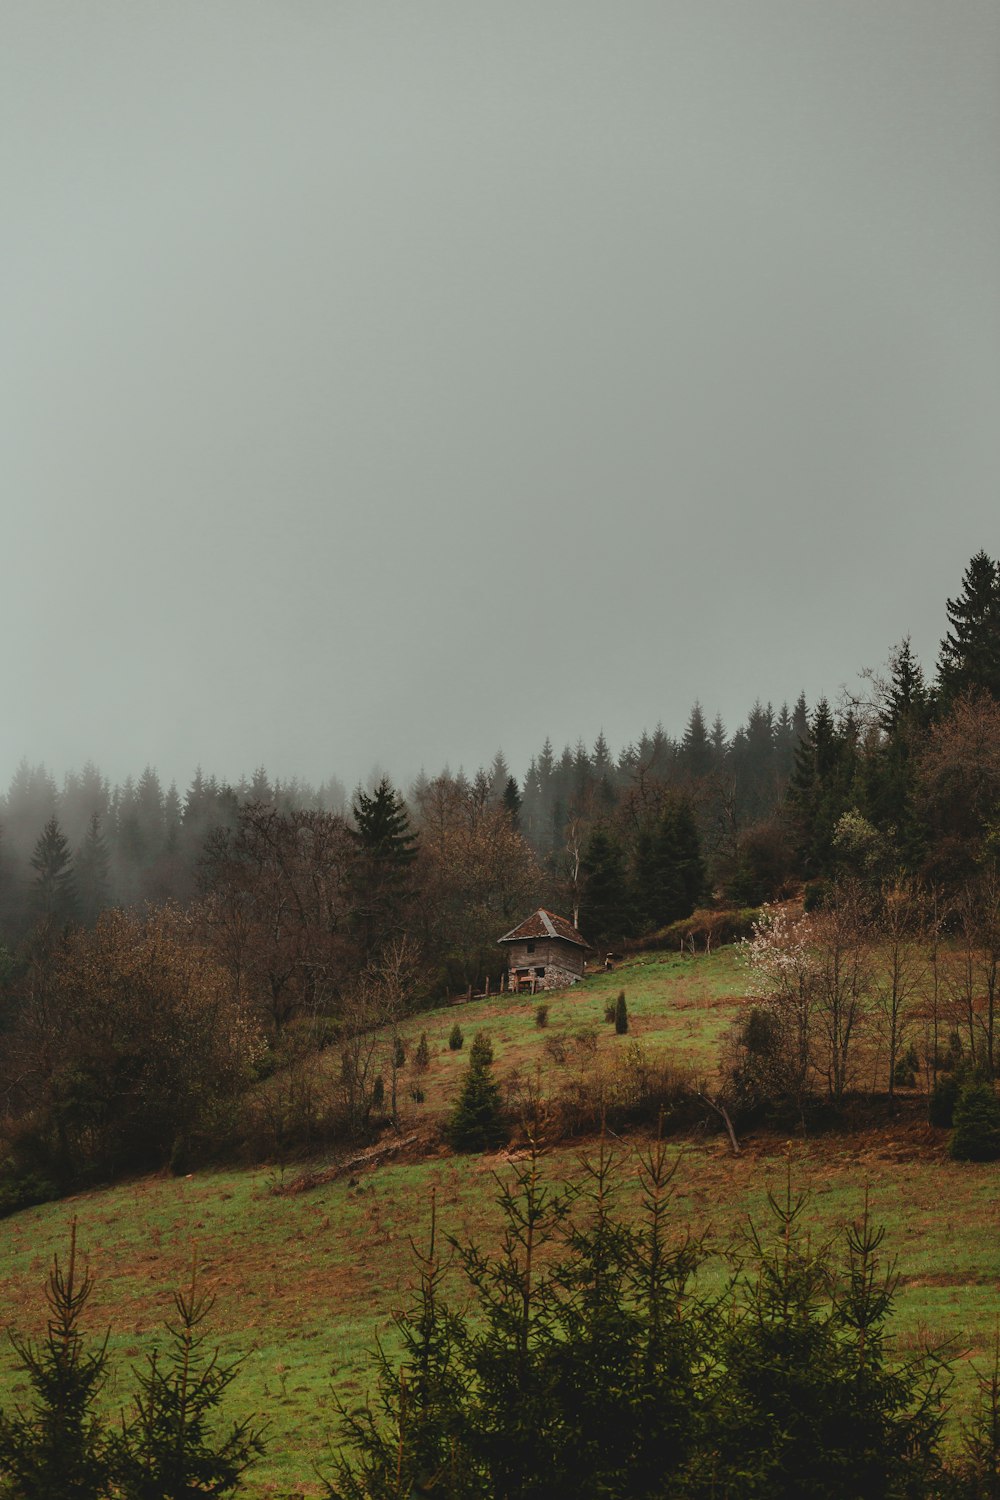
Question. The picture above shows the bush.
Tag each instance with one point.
(941, 1106)
(621, 1015)
(455, 1038)
(623, 1089)
(610, 1007)
(976, 1134)
(817, 895)
(24, 1189)
(585, 1041)
(952, 1058)
(704, 929)
(542, 1015)
(399, 1053)
(555, 1048)
(904, 1074)
(422, 1056)
(763, 1076)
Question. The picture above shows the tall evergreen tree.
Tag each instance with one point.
(512, 802)
(695, 753)
(821, 787)
(53, 894)
(668, 872)
(604, 910)
(386, 847)
(970, 652)
(93, 865)
(906, 702)
(499, 774)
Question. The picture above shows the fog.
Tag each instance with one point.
(387, 383)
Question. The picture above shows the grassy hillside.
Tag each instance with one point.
(306, 1282)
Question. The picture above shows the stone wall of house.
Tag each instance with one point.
(557, 978)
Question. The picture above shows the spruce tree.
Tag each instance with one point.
(53, 893)
(807, 1400)
(695, 754)
(92, 873)
(170, 1447)
(409, 1440)
(512, 802)
(476, 1122)
(386, 849)
(60, 1447)
(605, 905)
(969, 659)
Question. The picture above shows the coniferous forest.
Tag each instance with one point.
(174, 962)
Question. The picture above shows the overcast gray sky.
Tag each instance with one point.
(393, 381)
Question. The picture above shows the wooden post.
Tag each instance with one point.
(487, 986)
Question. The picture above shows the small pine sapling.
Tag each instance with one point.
(980, 1464)
(398, 1052)
(476, 1123)
(60, 1447)
(481, 1051)
(422, 1056)
(455, 1038)
(542, 1015)
(621, 1015)
(171, 1447)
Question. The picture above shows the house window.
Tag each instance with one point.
(539, 973)
(530, 948)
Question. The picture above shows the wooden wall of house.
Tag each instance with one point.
(549, 953)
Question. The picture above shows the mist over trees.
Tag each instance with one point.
(904, 774)
(315, 916)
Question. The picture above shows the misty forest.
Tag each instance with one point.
(236, 973)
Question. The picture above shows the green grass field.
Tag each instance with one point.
(306, 1283)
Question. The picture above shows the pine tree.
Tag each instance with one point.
(386, 849)
(605, 908)
(512, 802)
(669, 875)
(695, 754)
(969, 659)
(906, 703)
(621, 1015)
(53, 892)
(821, 788)
(93, 863)
(409, 1442)
(476, 1122)
(60, 1447)
(807, 1400)
(170, 1448)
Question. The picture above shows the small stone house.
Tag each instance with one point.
(544, 953)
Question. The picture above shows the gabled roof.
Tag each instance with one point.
(544, 924)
